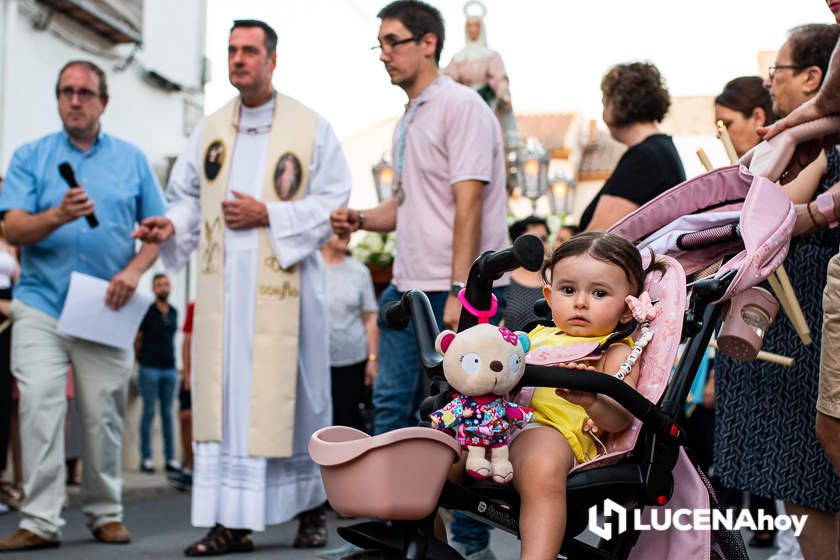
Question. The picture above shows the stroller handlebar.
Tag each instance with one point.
(769, 159)
(527, 251)
(597, 382)
(415, 306)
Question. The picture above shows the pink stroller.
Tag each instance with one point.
(729, 215)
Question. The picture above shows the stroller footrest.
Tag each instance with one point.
(396, 537)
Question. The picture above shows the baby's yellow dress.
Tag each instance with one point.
(550, 409)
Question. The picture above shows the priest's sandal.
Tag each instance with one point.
(221, 540)
(312, 531)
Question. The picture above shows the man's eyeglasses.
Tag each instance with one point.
(771, 71)
(388, 46)
(84, 94)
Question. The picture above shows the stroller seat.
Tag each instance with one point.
(609, 475)
(378, 477)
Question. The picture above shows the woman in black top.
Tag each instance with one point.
(635, 101)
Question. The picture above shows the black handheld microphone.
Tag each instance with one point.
(70, 178)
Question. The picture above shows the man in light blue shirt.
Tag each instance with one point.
(44, 217)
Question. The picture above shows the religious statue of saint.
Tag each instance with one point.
(479, 67)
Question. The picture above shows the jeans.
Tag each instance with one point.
(400, 386)
(474, 535)
(157, 382)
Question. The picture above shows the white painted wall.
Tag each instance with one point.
(363, 151)
(138, 112)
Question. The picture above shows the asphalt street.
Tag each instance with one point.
(159, 522)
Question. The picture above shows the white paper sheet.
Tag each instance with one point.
(86, 316)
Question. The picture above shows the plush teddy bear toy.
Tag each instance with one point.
(483, 363)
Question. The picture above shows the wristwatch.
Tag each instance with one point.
(825, 205)
(456, 288)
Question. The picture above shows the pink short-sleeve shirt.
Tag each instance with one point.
(454, 137)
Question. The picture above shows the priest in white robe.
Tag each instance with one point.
(253, 190)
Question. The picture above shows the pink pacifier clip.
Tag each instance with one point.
(482, 316)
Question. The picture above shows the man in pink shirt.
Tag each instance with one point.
(449, 168)
(449, 202)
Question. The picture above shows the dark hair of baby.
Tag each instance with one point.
(606, 247)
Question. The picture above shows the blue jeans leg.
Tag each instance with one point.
(168, 383)
(474, 535)
(399, 385)
(148, 379)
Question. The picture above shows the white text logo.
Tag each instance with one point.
(661, 519)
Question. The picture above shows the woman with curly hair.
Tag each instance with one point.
(635, 101)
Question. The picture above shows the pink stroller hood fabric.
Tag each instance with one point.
(767, 219)
(770, 158)
(689, 493)
(762, 210)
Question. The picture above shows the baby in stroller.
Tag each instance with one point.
(593, 282)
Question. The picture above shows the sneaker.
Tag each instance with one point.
(785, 555)
(147, 466)
(483, 554)
(181, 480)
(3, 508)
(173, 466)
(339, 553)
